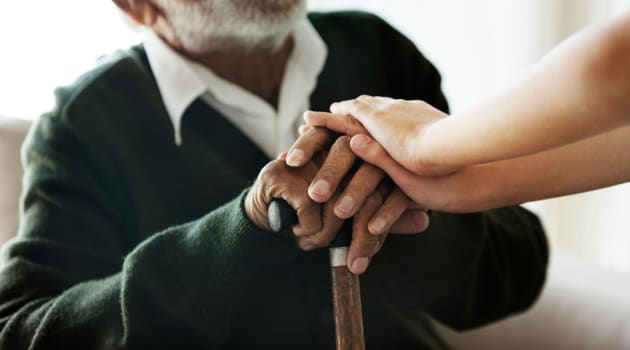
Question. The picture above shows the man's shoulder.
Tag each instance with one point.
(101, 102)
(366, 55)
(351, 24)
(361, 32)
(346, 18)
(113, 75)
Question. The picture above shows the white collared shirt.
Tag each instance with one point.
(181, 81)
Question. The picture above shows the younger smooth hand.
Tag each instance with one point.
(405, 129)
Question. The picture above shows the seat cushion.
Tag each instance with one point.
(12, 133)
(581, 307)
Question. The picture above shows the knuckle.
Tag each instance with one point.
(306, 245)
(310, 133)
(348, 119)
(266, 169)
(360, 105)
(313, 137)
(311, 206)
(320, 240)
(267, 179)
(360, 186)
(380, 113)
(303, 205)
(374, 200)
(341, 151)
(320, 131)
(339, 160)
(357, 102)
(397, 197)
(342, 142)
(370, 246)
(329, 171)
(273, 169)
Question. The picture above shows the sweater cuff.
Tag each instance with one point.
(246, 234)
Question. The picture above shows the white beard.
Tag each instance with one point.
(205, 26)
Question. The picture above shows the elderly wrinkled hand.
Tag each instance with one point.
(336, 184)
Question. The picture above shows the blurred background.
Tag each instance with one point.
(478, 46)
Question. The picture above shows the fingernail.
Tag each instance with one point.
(360, 265)
(346, 204)
(377, 226)
(320, 188)
(359, 142)
(294, 158)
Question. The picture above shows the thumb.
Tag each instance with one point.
(370, 151)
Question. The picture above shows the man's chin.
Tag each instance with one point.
(269, 8)
(272, 13)
(244, 25)
(243, 44)
(255, 36)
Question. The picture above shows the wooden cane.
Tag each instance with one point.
(346, 291)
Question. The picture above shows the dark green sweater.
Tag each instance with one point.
(129, 241)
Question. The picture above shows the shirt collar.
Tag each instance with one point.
(177, 82)
(181, 81)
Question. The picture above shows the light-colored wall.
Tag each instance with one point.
(12, 132)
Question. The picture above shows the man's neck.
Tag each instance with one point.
(258, 71)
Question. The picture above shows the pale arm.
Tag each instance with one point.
(579, 90)
(595, 162)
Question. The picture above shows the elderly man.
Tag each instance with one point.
(138, 230)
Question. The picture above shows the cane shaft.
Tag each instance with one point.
(345, 285)
(346, 302)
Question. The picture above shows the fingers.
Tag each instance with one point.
(412, 221)
(370, 151)
(290, 185)
(391, 210)
(282, 156)
(331, 226)
(276, 180)
(308, 213)
(308, 144)
(371, 222)
(424, 191)
(394, 209)
(365, 109)
(363, 182)
(338, 163)
(376, 218)
(302, 129)
(364, 245)
(318, 224)
(335, 168)
(341, 123)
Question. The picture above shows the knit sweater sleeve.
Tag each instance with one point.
(76, 278)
